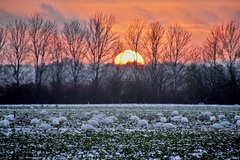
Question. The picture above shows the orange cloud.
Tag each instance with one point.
(198, 17)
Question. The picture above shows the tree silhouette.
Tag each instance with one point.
(101, 41)
(212, 46)
(3, 40)
(153, 45)
(230, 41)
(134, 35)
(177, 54)
(73, 63)
(56, 68)
(213, 70)
(3, 36)
(41, 33)
(18, 52)
(74, 35)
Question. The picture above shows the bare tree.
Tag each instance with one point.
(153, 45)
(135, 42)
(134, 35)
(118, 48)
(18, 49)
(177, 53)
(212, 47)
(41, 33)
(101, 42)
(3, 39)
(153, 41)
(57, 57)
(230, 41)
(115, 76)
(74, 35)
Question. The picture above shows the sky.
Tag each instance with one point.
(198, 16)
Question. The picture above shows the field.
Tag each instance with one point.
(119, 137)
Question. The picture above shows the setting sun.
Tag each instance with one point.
(128, 57)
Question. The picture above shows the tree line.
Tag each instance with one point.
(41, 62)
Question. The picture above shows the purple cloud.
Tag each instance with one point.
(6, 17)
(53, 14)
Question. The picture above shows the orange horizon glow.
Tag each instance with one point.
(128, 57)
(197, 16)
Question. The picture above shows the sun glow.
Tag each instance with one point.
(128, 57)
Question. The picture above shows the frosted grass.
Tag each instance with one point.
(123, 139)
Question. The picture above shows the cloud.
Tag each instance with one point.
(47, 12)
(99, 1)
(5, 16)
(53, 14)
(143, 13)
(206, 16)
(236, 15)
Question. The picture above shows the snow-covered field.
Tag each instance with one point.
(120, 131)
